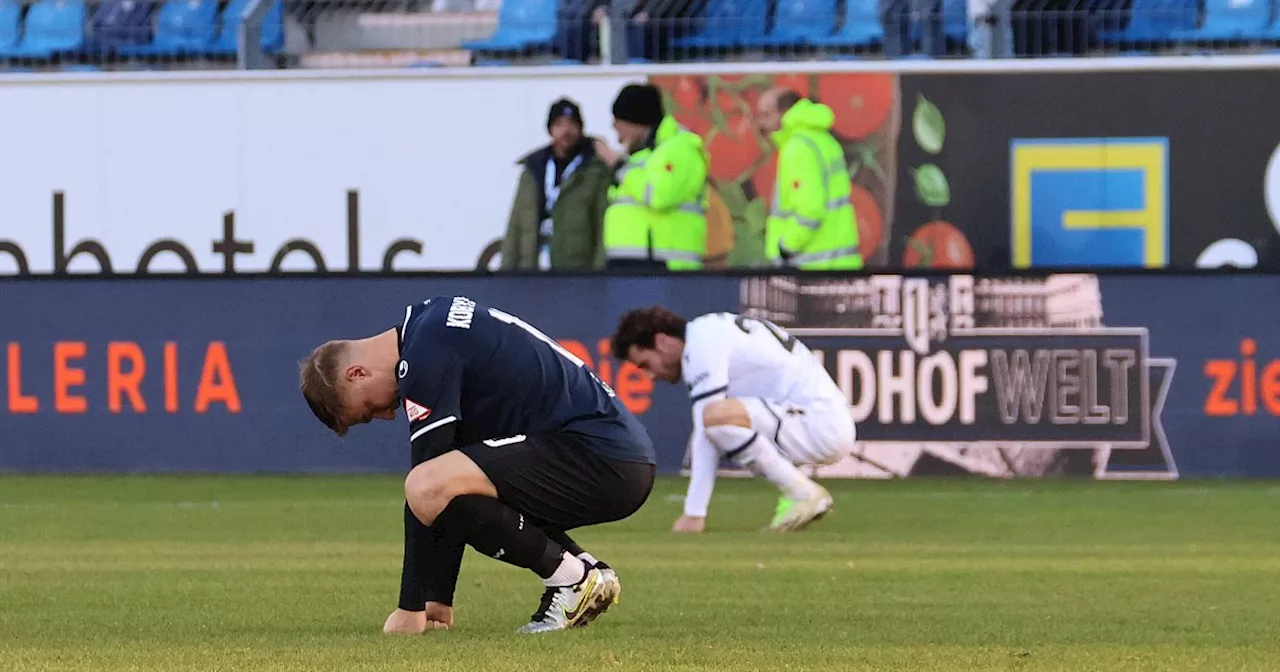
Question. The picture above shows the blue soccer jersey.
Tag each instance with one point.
(478, 374)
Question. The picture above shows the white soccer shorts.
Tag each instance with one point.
(813, 435)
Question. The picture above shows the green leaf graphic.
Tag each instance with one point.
(931, 186)
(748, 248)
(929, 127)
(734, 200)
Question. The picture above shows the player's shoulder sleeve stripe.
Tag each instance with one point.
(408, 313)
(430, 426)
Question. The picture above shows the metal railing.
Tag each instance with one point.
(187, 34)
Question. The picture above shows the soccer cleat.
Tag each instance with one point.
(611, 594)
(612, 583)
(573, 606)
(795, 515)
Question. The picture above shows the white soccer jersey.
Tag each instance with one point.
(791, 399)
(730, 355)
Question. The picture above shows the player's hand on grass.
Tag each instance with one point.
(690, 524)
(435, 617)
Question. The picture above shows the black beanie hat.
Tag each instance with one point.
(564, 108)
(639, 104)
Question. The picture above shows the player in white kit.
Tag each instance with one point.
(760, 398)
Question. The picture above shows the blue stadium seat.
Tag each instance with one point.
(728, 24)
(1150, 21)
(931, 24)
(52, 27)
(119, 23)
(955, 19)
(227, 41)
(861, 26)
(796, 21)
(1272, 30)
(1228, 20)
(183, 28)
(10, 24)
(522, 25)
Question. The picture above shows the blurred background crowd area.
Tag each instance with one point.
(95, 35)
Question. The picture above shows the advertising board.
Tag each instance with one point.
(1033, 376)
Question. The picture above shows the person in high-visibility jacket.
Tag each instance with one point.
(812, 225)
(657, 214)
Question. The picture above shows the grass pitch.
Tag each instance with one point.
(256, 573)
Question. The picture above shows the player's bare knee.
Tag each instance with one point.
(726, 412)
(434, 483)
(426, 493)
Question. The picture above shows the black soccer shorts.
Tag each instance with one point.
(560, 484)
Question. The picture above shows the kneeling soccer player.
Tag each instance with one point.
(760, 398)
(514, 441)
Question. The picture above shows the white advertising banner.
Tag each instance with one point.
(281, 173)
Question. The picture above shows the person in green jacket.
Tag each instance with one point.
(657, 216)
(557, 217)
(812, 225)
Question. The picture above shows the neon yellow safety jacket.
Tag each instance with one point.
(658, 209)
(812, 225)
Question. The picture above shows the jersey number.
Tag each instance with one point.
(784, 339)
(533, 331)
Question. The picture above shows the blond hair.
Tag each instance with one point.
(319, 377)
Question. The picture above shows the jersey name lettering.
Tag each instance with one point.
(460, 313)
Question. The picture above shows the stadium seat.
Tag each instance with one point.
(228, 39)
(796, 21)
(1228, 20)
(955, 20)
(1150, 21)
(10, 24)
(929, 24)
(118, 23)
(861, 26)
(52, 27)
(1272, 30)
(522, 25)
(183, 28)
(726, 24)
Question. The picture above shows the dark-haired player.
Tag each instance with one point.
(514, 442)
(760, 398)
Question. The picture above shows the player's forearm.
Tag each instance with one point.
(413, 589)
(431, 565)
(443, 564)
(702, 477)
(430, 569)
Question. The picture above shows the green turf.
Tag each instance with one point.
(178, 573)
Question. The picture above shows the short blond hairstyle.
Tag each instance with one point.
(319, 377)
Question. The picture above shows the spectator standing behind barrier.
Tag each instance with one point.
(657, 215)
(812, 225)
(558, 213)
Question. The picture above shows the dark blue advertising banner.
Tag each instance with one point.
(1155, 377)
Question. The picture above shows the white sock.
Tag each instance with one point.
(571, 571)
(588, 559)
(757, 452)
